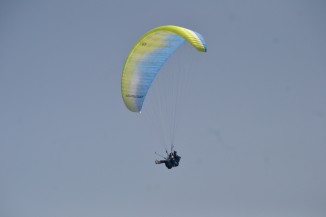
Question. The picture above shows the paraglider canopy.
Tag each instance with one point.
(147, 57)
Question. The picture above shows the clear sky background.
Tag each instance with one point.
(253, 142)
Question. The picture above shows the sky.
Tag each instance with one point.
(252, 137)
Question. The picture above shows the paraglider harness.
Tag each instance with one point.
(172, 159)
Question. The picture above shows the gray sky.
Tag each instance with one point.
(253, 142)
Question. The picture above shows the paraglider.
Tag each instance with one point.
(145, 61)
(172, 160)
